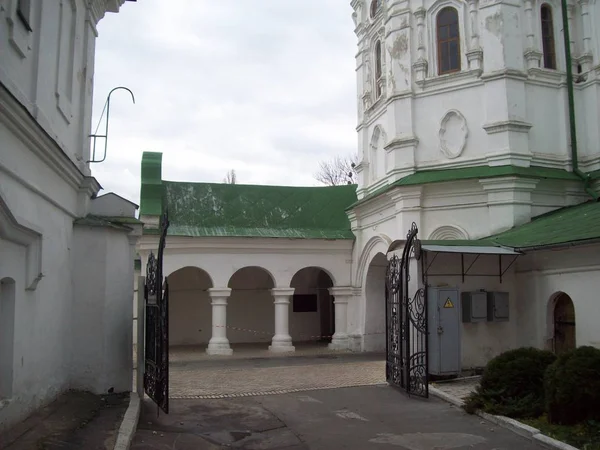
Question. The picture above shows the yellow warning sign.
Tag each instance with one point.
(448, 303)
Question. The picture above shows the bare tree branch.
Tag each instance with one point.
(231, 177)
(338, 170)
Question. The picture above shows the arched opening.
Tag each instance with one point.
(374, 339)
(378, 69)
(448, 41)
(7, 336)
(375, 7)
(548, 45)
(312, 315)
(250, 308)
(189, 307)
(563, 323)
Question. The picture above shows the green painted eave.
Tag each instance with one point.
(468, 173)
(462, 243)
(236, 210)
(102, 222)
(569, 225)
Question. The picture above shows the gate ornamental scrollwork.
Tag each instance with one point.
(406, 322)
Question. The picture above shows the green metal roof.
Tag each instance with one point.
(237, 210)
(569, 225)
(468, 173)
(573, 224)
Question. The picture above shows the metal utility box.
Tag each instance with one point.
(497, 306)
(443, 314)
(474, 306)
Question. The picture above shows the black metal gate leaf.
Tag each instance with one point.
(406, 323)
(156, 345)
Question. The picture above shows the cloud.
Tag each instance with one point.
(266, 88)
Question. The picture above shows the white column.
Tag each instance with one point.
(219, 344)
(341, 296)
(282, 341)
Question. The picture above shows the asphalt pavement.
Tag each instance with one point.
(359, 418)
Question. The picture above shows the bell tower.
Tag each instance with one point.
(453, 84)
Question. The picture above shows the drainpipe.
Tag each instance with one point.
(584, 177)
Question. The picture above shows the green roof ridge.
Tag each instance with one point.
(221, 209)
(151, 193)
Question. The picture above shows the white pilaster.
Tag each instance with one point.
(341, 296)
(282, 341)
(219, 344)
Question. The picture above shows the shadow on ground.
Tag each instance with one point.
(75, 421)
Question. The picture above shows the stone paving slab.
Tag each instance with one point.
(221, 382)
(460, 388)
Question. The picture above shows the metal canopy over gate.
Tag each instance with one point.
(406, 321)
(156, 345)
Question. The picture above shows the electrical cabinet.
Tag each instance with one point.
(474, 306)
(497, 306)
(443, 314)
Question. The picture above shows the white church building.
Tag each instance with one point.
(465, 128)
(66, 253)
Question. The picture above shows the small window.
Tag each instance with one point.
(378, 68)
(24, 12)
(375, 5)
(448, 41)
(548, 37)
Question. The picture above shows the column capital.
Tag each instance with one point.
(283, 291)
(341, 291)
(219, 292)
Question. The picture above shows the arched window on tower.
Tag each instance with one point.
(548, 37)
(375, 5)
(378, 69)
(448, 41)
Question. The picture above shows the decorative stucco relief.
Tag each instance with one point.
(453, 134)
(448, 232)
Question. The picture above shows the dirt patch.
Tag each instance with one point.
(76, 420)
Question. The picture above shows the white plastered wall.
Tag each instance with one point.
(256, 265)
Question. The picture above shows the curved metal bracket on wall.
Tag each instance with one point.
(105, 135)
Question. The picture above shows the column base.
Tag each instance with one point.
(338, 343)
(219, 348)
(281, 348)
(281, 345)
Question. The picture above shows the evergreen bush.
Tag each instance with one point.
(512, 384)
(572, 385)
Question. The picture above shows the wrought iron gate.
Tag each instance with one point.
(406, 322)
(156, 349)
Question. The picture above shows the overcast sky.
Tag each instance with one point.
(265, 87)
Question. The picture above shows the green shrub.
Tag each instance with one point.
(572, 386)
(513, 384)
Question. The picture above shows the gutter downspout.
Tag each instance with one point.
(573, 129)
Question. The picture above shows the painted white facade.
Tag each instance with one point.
(224, 291)
(58, 332)
(501, 108)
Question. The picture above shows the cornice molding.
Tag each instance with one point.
(186, 245)
(517, 126)
(20, 122)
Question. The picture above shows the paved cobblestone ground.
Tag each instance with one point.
(251, 373)
(459, 388)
